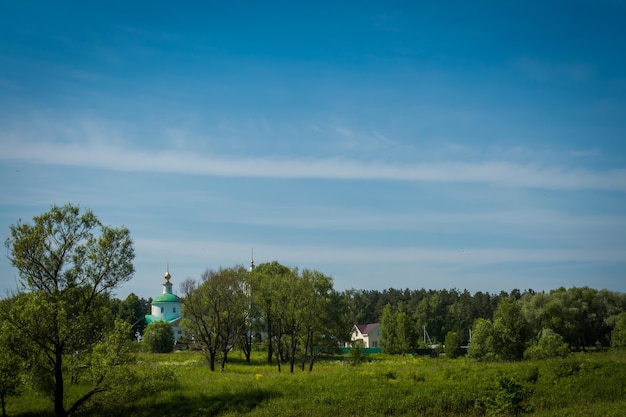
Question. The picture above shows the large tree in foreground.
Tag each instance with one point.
(68, 262)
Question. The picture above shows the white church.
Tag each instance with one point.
(167, 307)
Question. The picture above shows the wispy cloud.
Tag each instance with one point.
(500, 173)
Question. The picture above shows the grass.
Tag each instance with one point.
(580, 385)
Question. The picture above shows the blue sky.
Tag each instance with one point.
(477, 145)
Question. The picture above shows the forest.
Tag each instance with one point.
(299, 310)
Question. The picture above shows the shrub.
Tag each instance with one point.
(356, 355)
(159, 337)
(510, 399)
(618, 335)
(550, 345)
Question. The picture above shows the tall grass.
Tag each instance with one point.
(582, 384)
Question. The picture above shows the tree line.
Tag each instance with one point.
(295, 310)
(503, 324)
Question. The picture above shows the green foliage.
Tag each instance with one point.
(549, 345)
(511, 331)
(397, 331)
(179, 385)
(126, 387)
(217, 311)
(453, 345)
(510, 399)
(387, 331)
(300, 313)
(482, 346)
(159, 337)
(356, 356)
(133, 311)
(68, 262)
(272, 287)
(618, 335)
(505, 338)
(10, 367)
(584, 317)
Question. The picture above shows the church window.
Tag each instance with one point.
(174, 310)
(161, 309)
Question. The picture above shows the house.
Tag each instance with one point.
(167, 307)
(369, 334)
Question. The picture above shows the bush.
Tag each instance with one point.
(356, 355)
(550, 345)
(618, 335)
(510, 399)
(159, 337)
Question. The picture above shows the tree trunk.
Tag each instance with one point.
(270, 350)
(246, 345)
(211, 359)
(279, 354)
(96, 389)
(292, 358)
(308, 345)
(278, 362)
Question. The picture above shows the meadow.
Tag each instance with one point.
(180, 384)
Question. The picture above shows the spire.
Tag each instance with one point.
(167, 273)
(167, 285)
(251, 259)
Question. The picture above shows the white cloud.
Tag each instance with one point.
(500, 173)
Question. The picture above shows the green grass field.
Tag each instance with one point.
(591, 384)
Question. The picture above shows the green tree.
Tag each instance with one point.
(216, 311)
(326, 322)
(132, 310)
(159, 337)
(405, 334)
(481, 346)
(68, 262)
(10, 367)
(397, 330)
(288, 298)
(549, 345)
(388, 330)
(511, 331)
(318, 330)
(265, 280)
(618, 335)
(453, 345)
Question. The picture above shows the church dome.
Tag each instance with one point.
(166, 298)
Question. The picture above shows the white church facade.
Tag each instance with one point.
(167, 307)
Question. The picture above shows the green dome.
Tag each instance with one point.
(166, 298)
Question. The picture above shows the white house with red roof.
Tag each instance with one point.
(369, 334)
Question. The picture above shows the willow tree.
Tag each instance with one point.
(68, 262)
